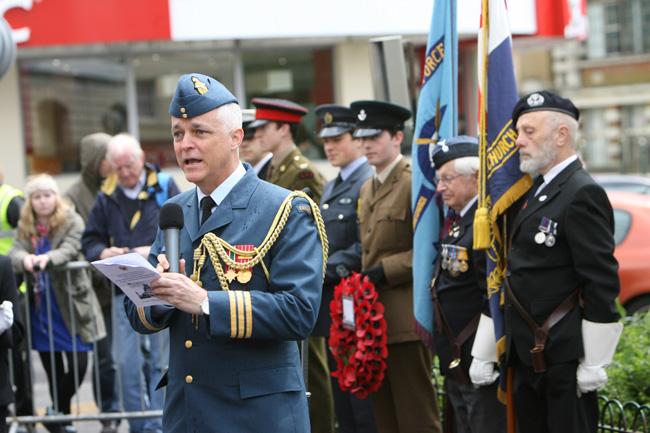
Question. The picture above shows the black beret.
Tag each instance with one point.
(454, 148)
(376, 116)
(197, 94)
(544, 101)
(335, 120)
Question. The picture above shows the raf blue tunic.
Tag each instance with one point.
(240, 370)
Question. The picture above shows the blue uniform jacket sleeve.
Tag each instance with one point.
(288, 310)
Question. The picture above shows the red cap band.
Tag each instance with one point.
(277, 115)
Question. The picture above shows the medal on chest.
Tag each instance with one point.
(547, 232)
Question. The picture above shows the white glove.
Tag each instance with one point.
(482, 373)
(6, 316)
(484, 352)
(599, 341)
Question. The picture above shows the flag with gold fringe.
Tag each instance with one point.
(436, 119)
(501, 182)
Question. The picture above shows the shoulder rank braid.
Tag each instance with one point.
(218, 248)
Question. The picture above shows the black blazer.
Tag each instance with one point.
(582, 257)
(462, 295)
(11, 336)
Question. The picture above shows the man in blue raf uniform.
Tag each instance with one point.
(459, 290)
(255, 280)
(561, 281)
(339, 210)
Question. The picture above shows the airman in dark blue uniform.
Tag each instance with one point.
(339, 210)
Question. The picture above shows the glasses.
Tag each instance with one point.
(446, 180)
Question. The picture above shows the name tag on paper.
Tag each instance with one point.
(348, 312)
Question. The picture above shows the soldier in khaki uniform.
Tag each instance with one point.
(275, 127)
(406, 401)
(276, 123)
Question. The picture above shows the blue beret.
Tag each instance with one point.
(454, 148)
(197, 94)
(544, 101)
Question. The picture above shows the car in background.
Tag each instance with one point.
(632, 238)
(624, 182)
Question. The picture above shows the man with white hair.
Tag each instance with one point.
(460, 289)
(561, 282)
(249, 285)
(124, 219)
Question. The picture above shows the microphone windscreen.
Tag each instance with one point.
(171, 216)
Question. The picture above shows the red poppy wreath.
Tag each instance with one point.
(358, 341)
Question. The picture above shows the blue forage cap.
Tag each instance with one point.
(197, 94)
(454, 148)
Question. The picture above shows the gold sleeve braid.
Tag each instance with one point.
(219, 251)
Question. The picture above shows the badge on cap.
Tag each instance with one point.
(199, 86)
(443, 146)
(535, 100)
(362, 115)
(328, 118)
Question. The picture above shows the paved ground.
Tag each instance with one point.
(82, 403)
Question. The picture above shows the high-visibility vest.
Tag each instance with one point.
(7, 193)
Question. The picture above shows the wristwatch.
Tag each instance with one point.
(205, 306)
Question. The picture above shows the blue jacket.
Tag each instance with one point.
(108, 226)
(239, 369)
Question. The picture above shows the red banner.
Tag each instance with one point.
(71, 22)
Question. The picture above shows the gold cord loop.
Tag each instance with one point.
(219, 250)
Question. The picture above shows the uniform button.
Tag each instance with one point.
(189, 379)
(326, 206)
(183, 110)
(188, 344)
(340, 216)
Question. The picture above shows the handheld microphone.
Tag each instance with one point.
(171, 222)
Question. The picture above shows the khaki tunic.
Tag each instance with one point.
(385, 222)
(296, 172)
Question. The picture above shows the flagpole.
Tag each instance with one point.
(481, 218)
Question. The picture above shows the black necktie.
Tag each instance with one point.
(206, 208)
(539, 180)
(338, 180)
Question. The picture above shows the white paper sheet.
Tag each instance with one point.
(132, 273)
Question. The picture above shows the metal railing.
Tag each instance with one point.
(53, 415)
(614, 416)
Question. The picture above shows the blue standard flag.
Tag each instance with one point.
(501, 182)
(436, 120)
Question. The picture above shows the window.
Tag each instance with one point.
(619, 27)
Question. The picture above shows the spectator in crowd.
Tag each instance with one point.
(49, 233)
(124, 219)
(11, 331)
(82, 194)
(11, 201)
